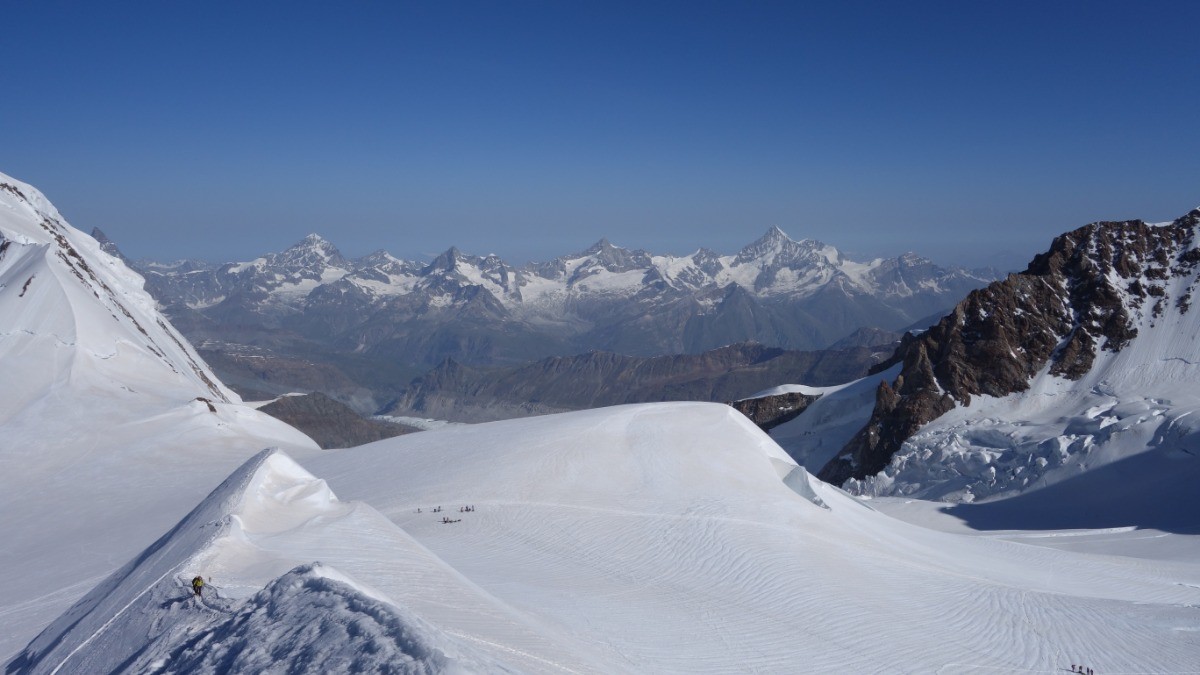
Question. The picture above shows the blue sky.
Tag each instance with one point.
(971, 132)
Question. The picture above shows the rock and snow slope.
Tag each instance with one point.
(666, 538)
(109, 423)
(1089, 357)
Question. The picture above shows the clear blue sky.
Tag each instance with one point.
(967, 131)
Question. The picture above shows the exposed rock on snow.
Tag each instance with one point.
(1106, 306)
(771, 410)
(329, 423)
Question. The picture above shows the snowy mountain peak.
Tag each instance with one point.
(309, 250)
(775, 248)
(599, 247)
(773, 240)
(618, 296)
(603, 255)
(66, 302)
(109, 246)
(378, 257)
(776, 233)
(446, 262)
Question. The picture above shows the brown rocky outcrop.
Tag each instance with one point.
(462, 393)
(769, 412)
(329, 423)
(1077, 298)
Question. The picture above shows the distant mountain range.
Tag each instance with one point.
(381, 321)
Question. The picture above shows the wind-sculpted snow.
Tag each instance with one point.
(310, 619)
(68, 303)
(665, 538)
(672, 534)
(307, 622)
(84, 635)
(112, 428)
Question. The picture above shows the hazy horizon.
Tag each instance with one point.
(970, 134)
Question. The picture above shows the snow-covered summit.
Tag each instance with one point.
(75, 318)
(775, 248)
(269, 609)
(311, 252)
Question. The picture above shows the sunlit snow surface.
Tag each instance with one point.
(665, 538)
(104, 444)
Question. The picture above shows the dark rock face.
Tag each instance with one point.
(109, 247)
(1071, 301)
(459, 392)
(329, 423)
(769, 412)
(874, 338)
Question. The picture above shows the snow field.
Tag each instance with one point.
(664, 534)
(645, 538)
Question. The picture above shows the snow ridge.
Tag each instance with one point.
(59, 288)
(310, 618)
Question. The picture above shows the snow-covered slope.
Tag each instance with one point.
(271, 610)
(111, 425)
(665, 538)
(76, 316)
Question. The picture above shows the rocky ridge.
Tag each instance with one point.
(1086, 296)
(458, 392)
(330, 423)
